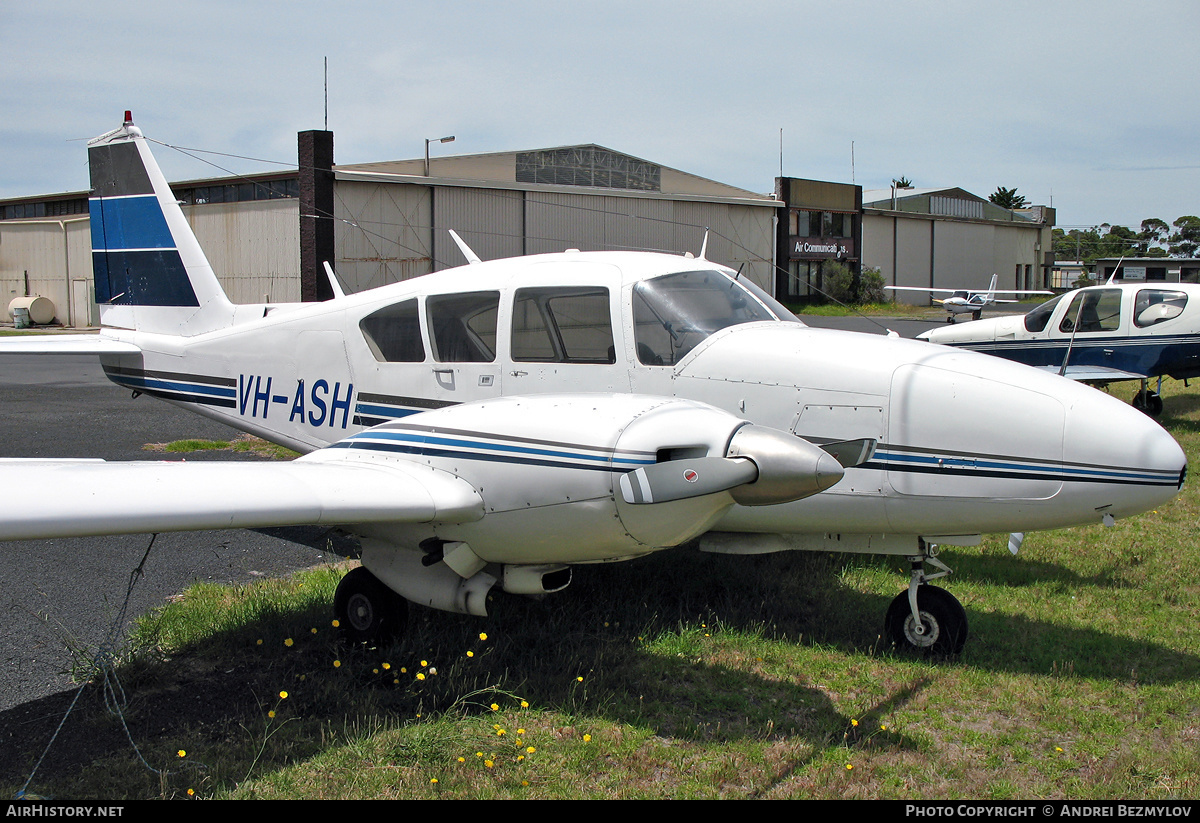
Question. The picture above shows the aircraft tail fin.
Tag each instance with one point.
(150, 272)
(991, 292)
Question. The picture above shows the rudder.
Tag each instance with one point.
(150, 272)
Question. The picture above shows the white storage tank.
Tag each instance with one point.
(41, 309)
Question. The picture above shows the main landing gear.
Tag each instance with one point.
(925, 618)
(368, 611)
(1148, 401)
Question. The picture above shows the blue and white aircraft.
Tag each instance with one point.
(1099, 334)
(490, 426)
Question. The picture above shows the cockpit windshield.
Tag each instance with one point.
(674, 313)
(1037, 319)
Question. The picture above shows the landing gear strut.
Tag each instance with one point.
(926, 618)
(368, 611)
(1148, 401)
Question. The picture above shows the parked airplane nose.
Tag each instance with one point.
(1125, 462)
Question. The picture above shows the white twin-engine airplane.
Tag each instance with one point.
(965, 301)
(491, 425)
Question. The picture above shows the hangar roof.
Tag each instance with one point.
(587, 165)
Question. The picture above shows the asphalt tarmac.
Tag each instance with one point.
(60, 598)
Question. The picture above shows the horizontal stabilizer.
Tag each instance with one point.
(95, 497)
(65, 344)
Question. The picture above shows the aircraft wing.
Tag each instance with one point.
(1095, 374)
(922, 289)
(65, 344)
(73, 498)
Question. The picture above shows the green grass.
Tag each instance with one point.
(243, 443)
(869, 309)
(678, 675)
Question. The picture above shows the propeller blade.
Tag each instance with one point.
(850, 453)
(681, 479)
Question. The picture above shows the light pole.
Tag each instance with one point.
(449, 139)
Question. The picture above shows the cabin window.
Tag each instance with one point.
(462, 327)
(675, 313)
(1037, 319)
(393, 333)
(1093, 310)
(1154, 306)
(562, 325)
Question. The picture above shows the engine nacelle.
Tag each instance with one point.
(587, 478)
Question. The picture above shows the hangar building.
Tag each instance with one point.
(267, 234)
(952, 239)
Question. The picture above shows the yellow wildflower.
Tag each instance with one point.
(288, 642)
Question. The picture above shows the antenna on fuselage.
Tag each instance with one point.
(471, 256)
(704, 245)
(334, 284)
(1116, 269)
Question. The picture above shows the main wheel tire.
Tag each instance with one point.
(943, 617)
(1149, 402)
(368, 611)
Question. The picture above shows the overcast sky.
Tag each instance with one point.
(1089, 105)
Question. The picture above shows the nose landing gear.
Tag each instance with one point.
(926, 619)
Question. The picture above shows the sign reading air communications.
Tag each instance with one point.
(820, 248)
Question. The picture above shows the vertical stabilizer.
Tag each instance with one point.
(150, 272)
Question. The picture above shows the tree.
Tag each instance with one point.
(1186, 240)
(903, 183)
(1008, 198)
(1154, 234)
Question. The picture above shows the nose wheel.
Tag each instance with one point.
(926, 619)
(368, 611)
(938, 629)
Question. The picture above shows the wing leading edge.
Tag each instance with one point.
(95, 497)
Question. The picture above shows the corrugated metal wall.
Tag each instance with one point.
(254, 247)
(490, 221)
(54, 253)
(383, 233)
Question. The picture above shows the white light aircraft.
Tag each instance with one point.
(1099, 334)
(490, 426)
(966, 301)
